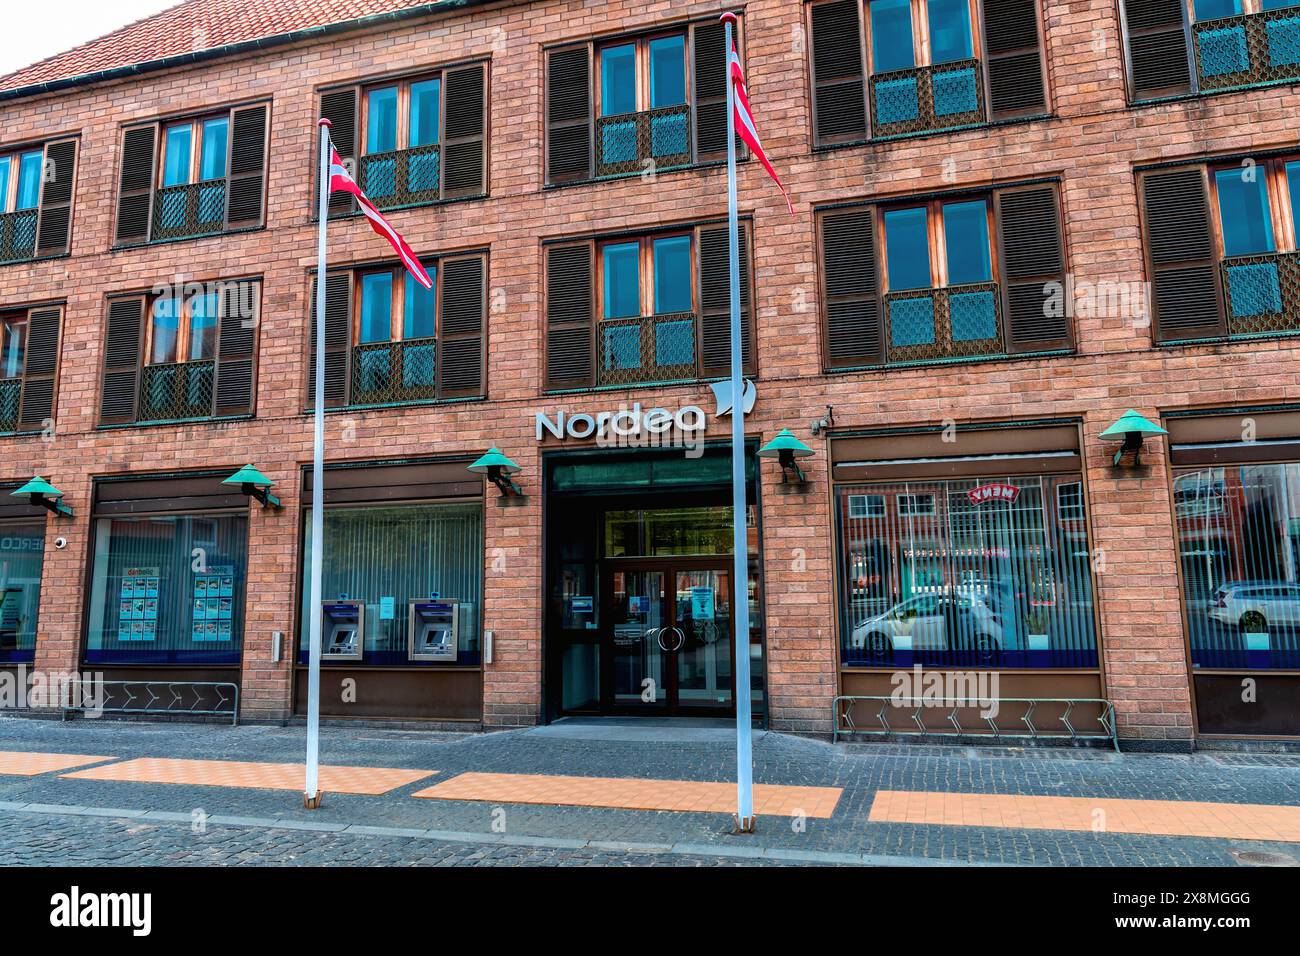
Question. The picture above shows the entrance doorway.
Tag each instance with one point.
(669, 639)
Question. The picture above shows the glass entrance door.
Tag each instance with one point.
(670, 639)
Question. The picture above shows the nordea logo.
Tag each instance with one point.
(624, 423)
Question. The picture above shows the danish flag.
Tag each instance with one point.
(341, 181)
(745, 121)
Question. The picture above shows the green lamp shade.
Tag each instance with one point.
(248, 475)
(1131, 422)
(38, 486)
(785, 442)
(494, 459)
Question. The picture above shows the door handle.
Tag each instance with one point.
(659, 636)
(681, 639)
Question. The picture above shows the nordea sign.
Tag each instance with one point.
(624, 423)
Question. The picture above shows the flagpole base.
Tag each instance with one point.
(312, 803)
(743, 824)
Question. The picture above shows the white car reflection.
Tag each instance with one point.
(932, 622)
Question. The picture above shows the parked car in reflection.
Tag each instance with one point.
(1239, 603)
(934, 622)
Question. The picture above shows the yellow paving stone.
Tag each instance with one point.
(19, 763)
(633, 794)
(370, 781)
(1229, 821)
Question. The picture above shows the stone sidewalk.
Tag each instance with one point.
(50, 819)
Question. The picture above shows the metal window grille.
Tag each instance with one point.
(926, 98)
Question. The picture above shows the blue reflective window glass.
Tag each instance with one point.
(176, 167)
(1293, 187)
(672, 259)
(13, 348)
(1280, 4)
(203, 327)
(166, 321)
(891, 36)
(618, 80)
(1243, 211)
(421, 309)
(29, 179)
(5, 164)
(1214, 9)
(426, 113)
(667, 72)
(907, 244)
(212, 164)
(622, 280)
(950, 32)
(381, 120)
(966, 240)
(376, 307)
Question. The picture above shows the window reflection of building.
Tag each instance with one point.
(22, 553)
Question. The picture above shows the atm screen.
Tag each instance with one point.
(342, 629)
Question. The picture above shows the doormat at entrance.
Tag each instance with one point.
(20, 764)
(620, 793)
(1227, 821)
(370, 781)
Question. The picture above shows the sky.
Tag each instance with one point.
(34, 31)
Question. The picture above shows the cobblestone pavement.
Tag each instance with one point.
(48, 819)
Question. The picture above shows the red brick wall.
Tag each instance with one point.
(1092, 145)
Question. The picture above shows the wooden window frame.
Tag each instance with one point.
(921, 51)
(10, 199)
(196, 148)
(403, 86)
(7, 319)
(936, 237)
(1276, 190)
(397, 316)
(645, 265)
(184, 329)
(642, 42)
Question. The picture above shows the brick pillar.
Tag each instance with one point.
(512, 595)
(799, 599)
(59, 625)
(1136, 556)
(266, 686)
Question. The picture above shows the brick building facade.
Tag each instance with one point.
(1092, 148)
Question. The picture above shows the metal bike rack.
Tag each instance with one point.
(160, 697)
(844, 708)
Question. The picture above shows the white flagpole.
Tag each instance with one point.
(311, 794)
(740, 541)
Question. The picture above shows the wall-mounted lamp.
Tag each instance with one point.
(1133, 429)
(825, 423)
(254, 484)
(785, 448)
(42, 494)
(498, 468)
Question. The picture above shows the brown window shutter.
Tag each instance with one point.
(1032, 269)
(709, 105)
(39, 367)
(715, 301)
(569, 328)
(56, 198)
(1158, 60)
(1014, 59)
(1184, 273)
(340, 108)
(123, 350)
(461, 350)
(464, 153)
(246, 189)
(839, 86)
(568, 115)
(236, 341)
(338, 340)
(135, 189)
(851, 288)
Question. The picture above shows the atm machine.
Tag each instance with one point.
(343, 630)
(434, 630)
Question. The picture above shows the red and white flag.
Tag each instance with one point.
(341, 181)
(745, 121)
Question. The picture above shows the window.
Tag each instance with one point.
(1233, 44)
(36, 200)
(939, 290)
(389, 341)
(636, 309)
(183, 355)
(29, 351)
(1239, 221)
(22, 552)
(896, 67)
(953, 578)
(632, 104)
(1069, 502)
(414, 140)
(866, 506)
(192, 177)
